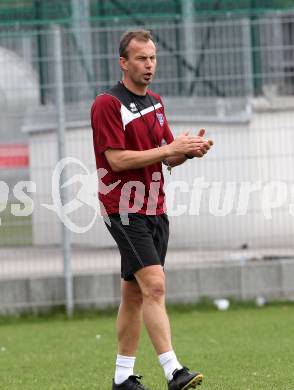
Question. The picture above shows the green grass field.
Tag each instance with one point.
(241, 349)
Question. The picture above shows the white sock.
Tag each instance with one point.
(124, 368)
(169, 363)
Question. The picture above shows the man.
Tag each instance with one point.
(131, 141)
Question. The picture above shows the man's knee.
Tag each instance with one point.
(155, 289)
(135, 300)
(132, 295)
(152, 282)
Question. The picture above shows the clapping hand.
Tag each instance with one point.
(203, 146)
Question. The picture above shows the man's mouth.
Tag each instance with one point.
(147, 75)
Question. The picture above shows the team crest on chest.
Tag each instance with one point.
(133, 107)
(160, 118)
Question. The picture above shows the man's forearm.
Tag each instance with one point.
(173, 161)
(174, 153)
(121, 160)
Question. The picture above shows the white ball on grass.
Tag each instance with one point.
(222, 304)
(260, 301)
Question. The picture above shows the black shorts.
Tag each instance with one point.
(141, 242)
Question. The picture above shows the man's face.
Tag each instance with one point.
(140, 65)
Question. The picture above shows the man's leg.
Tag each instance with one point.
(129, 321)
(151, 280)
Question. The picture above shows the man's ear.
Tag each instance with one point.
(123, 64)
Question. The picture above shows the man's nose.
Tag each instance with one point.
(148, 63)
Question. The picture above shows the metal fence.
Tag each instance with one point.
(237, 57)
(230, 73)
